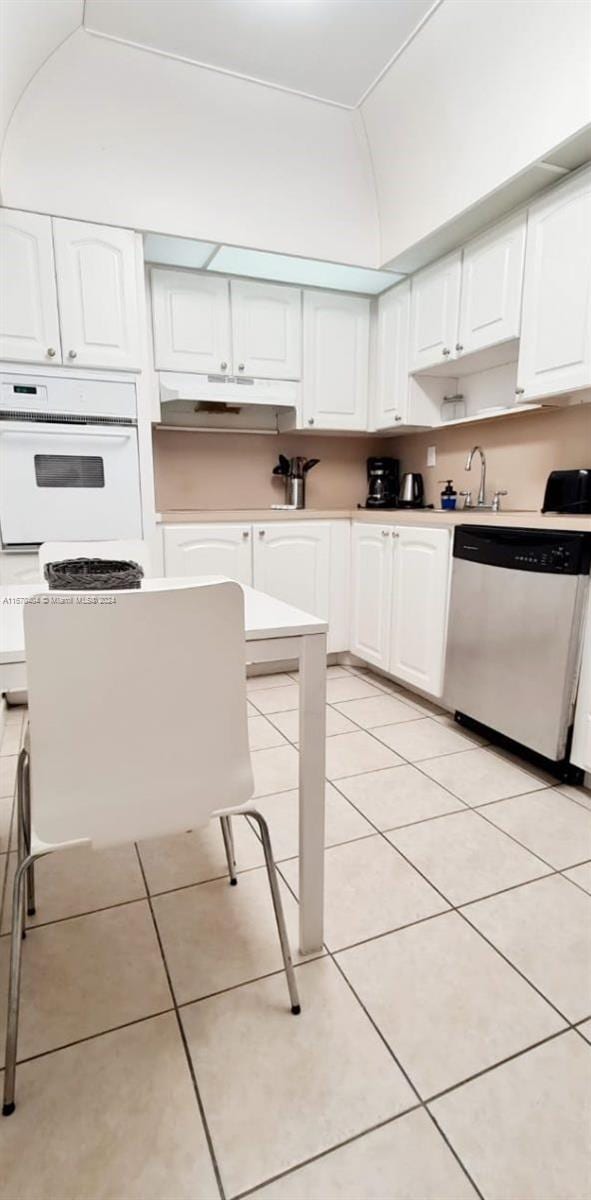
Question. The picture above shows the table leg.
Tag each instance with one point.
(312, 783)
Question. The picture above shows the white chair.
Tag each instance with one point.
(134, 549)
(107, 766)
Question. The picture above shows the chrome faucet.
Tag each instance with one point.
(481, 502)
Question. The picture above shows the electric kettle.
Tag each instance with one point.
(412, 492)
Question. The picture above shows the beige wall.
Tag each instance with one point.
(232, 470)
(520, 453)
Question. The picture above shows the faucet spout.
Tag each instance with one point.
(482, 489)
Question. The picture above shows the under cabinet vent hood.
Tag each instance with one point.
(225, 401)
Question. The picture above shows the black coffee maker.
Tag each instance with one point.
(383, 475)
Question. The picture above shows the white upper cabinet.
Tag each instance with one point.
(266, 330)
(29, 324)
(98, 295)
(216, 549)
(434, 311)
(292, 563)
(492, 279)
(191, 315)
(391, 365)
(420, 588)
(371, 578)
(336, 360)
(555, 347)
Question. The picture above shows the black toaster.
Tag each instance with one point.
(568, 491)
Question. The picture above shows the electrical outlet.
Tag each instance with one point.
(431, 456)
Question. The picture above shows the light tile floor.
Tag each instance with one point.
(444, 1047)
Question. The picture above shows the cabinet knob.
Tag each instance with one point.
(395, 533)
(519, 391)
(385, 532)
(445, 351)
(240, 366)
(397, 418)
(310, 420)
(223, 366)
(72, 354)
(51, 352)
(245, 533)
(262, 532)
(459, 347)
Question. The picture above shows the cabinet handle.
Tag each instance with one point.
(395, 534)
(519, 391)
(223, 366)
(72, 354)
(459, 347)
(445, 351)
(385, 532)
(240, 366)
(261, 532)
(397, 418)
(245, 533)
(51, 352)
(310, 420)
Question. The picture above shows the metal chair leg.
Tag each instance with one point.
(278, 907)
(22, 850)
(27, 824)
(226, 824)
(14, 985)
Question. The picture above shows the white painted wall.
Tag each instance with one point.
(30, 32)
(485, 89)
(108, 132)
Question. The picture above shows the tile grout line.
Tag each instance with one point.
(184, 1041)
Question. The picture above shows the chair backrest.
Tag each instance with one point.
(134, 549)
(137, 707)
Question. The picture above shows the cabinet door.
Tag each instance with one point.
(191, 315)
(336, 360)
(391, 367)
(555, 347)
(371, 570)
(29, 326)
(216, 549)
(492, 281)
(292, 562)
(420, 587)
(98, 295)
(266, 330)
(581, 747)
(434, 310)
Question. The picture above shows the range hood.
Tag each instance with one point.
(225, 401)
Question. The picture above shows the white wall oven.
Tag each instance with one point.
(69, 467)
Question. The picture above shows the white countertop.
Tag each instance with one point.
(526, 519)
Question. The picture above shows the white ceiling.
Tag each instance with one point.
(332, 50)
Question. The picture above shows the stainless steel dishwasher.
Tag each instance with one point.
(516, 610)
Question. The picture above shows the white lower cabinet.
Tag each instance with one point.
(371, 570)
(400, 590)
(581, 747)
(304, 563)
(216, 549)
(420, 591)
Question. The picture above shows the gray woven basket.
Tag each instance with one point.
(92, 574)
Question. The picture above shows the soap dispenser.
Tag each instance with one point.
(448, 495)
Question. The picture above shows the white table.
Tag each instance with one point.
(274, 632)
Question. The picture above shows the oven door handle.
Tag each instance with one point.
(93, 432)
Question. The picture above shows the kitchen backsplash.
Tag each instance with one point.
(231, 470)
(520, 453)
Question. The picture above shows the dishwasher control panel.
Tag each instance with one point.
(545, 551)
